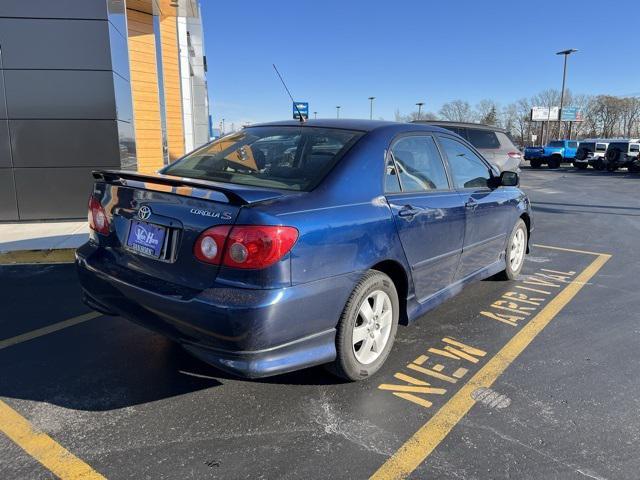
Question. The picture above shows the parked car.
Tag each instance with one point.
(622, 153)
(557, 152)
(590, 152)
(492, 142)
(260, 266)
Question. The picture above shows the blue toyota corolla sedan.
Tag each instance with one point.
(287, 245)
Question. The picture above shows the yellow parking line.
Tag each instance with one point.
(562, 249)
(43, 448)
(48, 329)
(62, 255)
(430, 435)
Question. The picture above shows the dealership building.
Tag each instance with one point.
(94, 84)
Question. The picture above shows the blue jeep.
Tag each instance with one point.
(556, 152)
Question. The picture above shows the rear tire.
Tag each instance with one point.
(515, 251)
(371, 313)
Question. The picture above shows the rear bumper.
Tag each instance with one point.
(246, 332)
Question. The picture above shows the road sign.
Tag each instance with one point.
(544, 114)
(303, 107)
(571, 114)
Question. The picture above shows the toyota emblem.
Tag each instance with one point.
(144, 213)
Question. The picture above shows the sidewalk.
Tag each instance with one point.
(41, 242)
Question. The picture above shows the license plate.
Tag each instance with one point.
(146, 238)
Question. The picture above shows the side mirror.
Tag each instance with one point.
(509, 179)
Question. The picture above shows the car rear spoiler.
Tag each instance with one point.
(121, 177)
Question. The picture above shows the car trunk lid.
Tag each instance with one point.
(156, 220)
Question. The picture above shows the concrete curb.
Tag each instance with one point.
(28, 257)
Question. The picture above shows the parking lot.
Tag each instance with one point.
(535, 378)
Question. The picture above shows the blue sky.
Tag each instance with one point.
(341, 52)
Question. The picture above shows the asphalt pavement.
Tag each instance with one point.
(531, 379)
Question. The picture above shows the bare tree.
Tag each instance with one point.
(457, 111)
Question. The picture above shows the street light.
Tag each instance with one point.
(371, 99)
(315, 115)
(566, 53)
(420, 104)
(337, 111)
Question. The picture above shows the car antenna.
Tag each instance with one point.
(290, 96)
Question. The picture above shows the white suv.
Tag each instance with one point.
(591, 152)
(622, 153)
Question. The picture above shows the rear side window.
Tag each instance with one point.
(601, 147)
(456, 130)
(290, 158)
(467, 169)
(418, 165)
(634, 147)
(556, 144)
(483, 138)
(573, 144)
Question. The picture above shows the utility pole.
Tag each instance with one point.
(371, 99)
(223, 126)
(337, 111)
(420, 104)
(566, 53)
(315, 115)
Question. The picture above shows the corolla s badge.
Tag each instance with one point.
(144, 212)
(209, 213)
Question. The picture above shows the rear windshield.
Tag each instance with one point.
(290, 158)
(483, 138)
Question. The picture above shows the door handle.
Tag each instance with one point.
(408, 211)
(471, 203)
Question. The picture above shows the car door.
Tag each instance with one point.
(429, 215)
(487, 210)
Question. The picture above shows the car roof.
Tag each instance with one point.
(351, 124)
(447, 123)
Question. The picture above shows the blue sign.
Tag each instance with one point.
(303, 108)
(571, 114)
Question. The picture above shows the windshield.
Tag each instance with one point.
(290, 158)
(556, 144)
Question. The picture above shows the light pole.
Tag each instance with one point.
(566, 53)
(420, 104)
(337, 111)
(371, 99)
(315, 115)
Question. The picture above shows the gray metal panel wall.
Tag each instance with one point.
(66, 84)
(8, 208)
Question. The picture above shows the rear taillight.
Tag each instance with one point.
(245, 246)
(97, 217)
(514, 155)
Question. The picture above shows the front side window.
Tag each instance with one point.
(418, 164)
(290, 158)
(483, 138)
(556, 144)
(467, 169)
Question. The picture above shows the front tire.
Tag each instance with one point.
(515, 252)
(367, 328)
